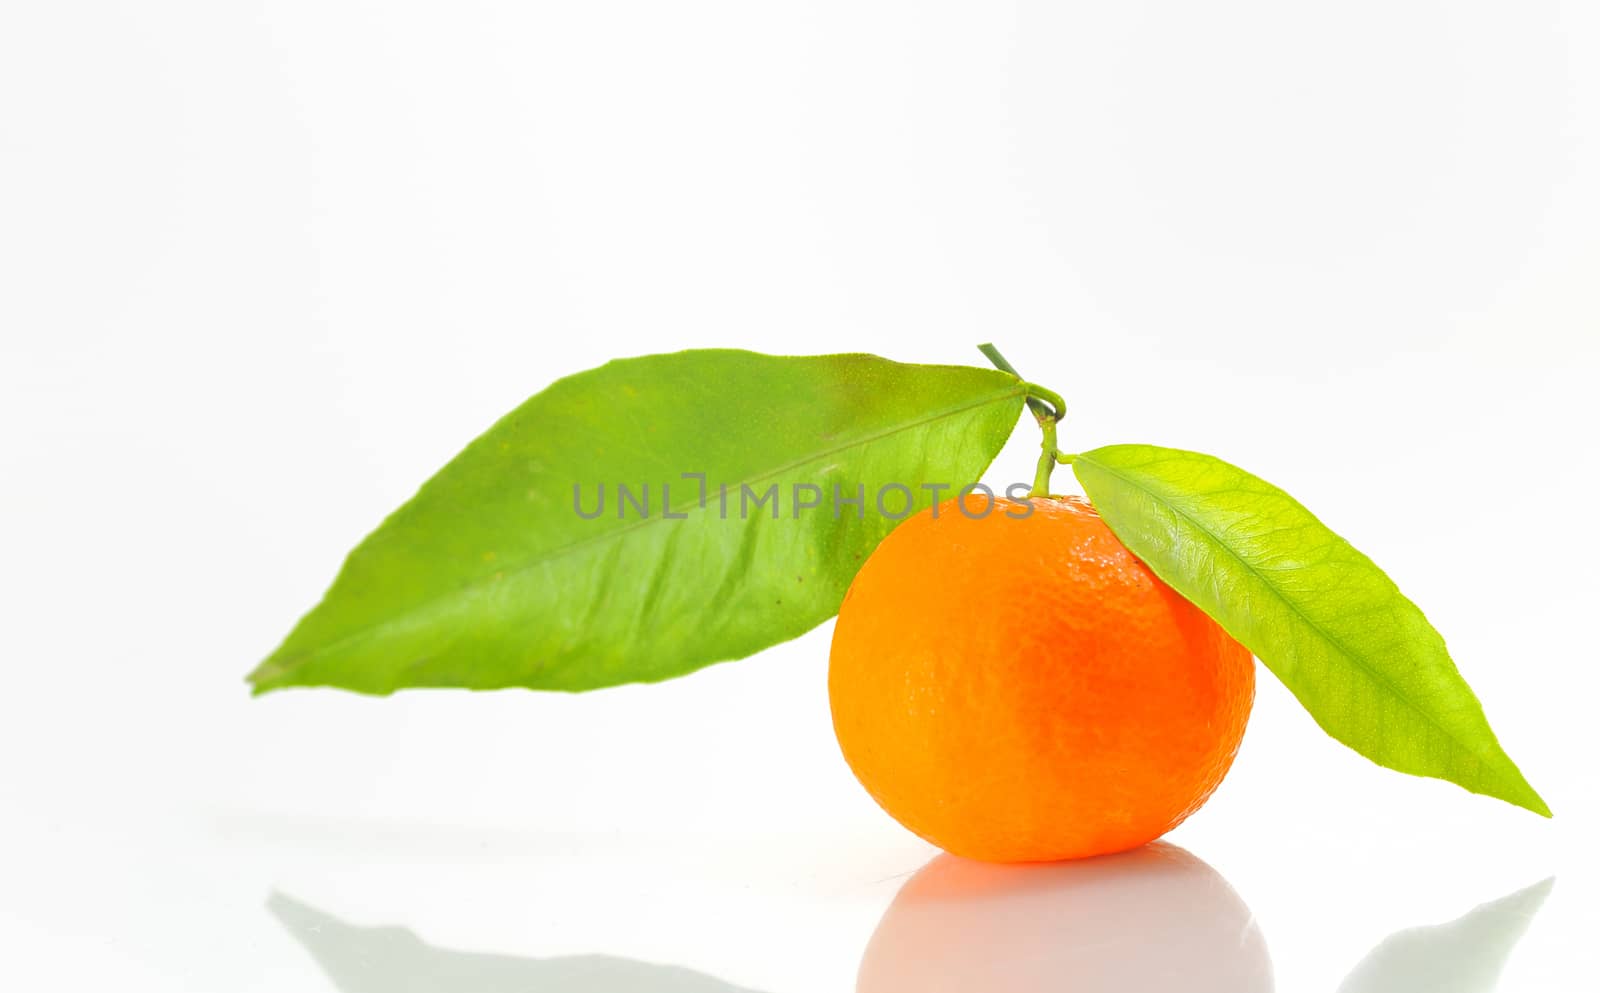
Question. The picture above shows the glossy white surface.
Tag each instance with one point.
(266, 266)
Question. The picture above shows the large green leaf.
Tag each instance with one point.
(1359, 656)
(490, 577)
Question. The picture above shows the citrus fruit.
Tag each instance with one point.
(1153, 919)
(1009, 682)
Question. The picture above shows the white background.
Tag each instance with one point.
(264, 267)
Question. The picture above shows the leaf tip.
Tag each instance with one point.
(1538, 805)
(1520, 793)
(265, 678)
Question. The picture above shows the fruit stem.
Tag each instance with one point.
(1048, 409)
(1047, 459)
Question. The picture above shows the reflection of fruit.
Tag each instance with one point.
(1150, 920)
(1024, 689)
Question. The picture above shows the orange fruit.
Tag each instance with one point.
(1153, 919)
(1022, 688)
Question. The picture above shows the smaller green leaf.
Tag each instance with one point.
(1356, 653)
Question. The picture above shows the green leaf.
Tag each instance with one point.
(1357, 654)
(490, 577)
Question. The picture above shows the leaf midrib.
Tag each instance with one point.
(1337, 644)
(280, 666)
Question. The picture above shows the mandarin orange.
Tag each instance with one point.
(1009, 682)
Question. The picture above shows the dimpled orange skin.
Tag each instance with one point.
(1023, 689)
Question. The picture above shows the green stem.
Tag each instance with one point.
(993, 355)
(1047, 460)
(1048, 409)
